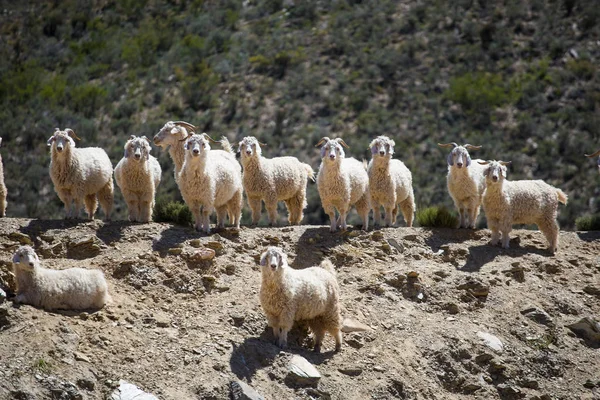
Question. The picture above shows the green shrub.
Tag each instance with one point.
(588, 223)
(436, 217)
(172, 211)
(583, 69)
(481, 91)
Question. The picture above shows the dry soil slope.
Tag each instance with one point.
(181, 329)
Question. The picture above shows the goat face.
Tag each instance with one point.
(382, 146)
(138, 147)
(249, 147)
(273, 260)
(26, 258)
(197, 145)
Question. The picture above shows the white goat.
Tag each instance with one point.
(209, 181)
(80, 175)
(342, 183)
(466, 183)
(310, 294)
(138, 175)
(390, 183)
(594, 155)
(73, 288)
(519, 202)
(3, 190)
(273, 180)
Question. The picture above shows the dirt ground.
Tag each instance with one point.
(185, 329)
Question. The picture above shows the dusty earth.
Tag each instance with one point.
(182, 328)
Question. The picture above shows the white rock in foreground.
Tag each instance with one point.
(302, 373)
(491, 341)
(128, 391)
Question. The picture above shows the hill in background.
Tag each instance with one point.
(518, 77)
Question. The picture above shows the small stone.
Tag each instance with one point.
(21, 238)
(509, 392)
(353, 234)
(394, 243)
(197, 243)
(589, 384)
(589, 329)
(452, 308)
(491, 341)
(413, 237)
(476, 288)
(301, 373)
(377, 236)
(216, 246)
(162, 322)
(81, 357)
(350, 325)
(395, 280)
(230, 269)
(355, 340)
(352, 371)
(86, 384)
(127, 391)
(201, 255)
(175, 251)
(483, 358)
(242, 391)
(379, 368)
(529, 383)
(593, 290)
(538, 315)
(209, 281)
(238, 319)
(413, 274)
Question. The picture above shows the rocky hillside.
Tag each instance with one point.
(443, 316)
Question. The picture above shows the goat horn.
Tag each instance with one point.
(131, 137)
(505, 162)
(471, 147)
(185, 125)
(453, 144)
(483, 162)
(72, 133)
(261, 143)
(325, 139)
(209, 138)
(593, 155)
(0, 142)
(341, 141)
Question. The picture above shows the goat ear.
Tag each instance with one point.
(282, 259)
(450, 159)
(185, 145)
(263, 259)
(174, 130)
(0, 142)
(374, 149)
(503, 171)
(486, 171)
(323, 151)
(49, 142)
(468, 161)
(16, 258)
(126, 153)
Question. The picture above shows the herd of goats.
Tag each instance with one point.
(212, 180)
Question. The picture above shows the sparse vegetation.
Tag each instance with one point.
(42, 366)
(172, 211)
(588, 223)
(436, 217)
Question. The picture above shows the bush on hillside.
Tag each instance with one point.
(172, 211)
(588, 223)
(436, 217)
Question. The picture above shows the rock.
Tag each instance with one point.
(86, 384)
(209, 281)
(216, 246)
(197, 243)
(21, 238)
(238, 319)
(356, 341)
(509, 392)
(301, 373)
(394, 243)
(483, 358)
(2, 296)
(538, 315)
(395, 279)
(351, 371)
(127, 391)
(413, 237)
(377, 236)
(475, 287)
(350, 325)
(175, 251)
(230, 269)
(85, 247)
(452, 308)
(162, 322)
(491, 341)
(593, 290)
(529, 383)
(588, 329)
(413, 274)
(81, 357)
(242, 391)
(201, 255)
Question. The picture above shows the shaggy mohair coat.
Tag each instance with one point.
(466, 184)
(80, 175)
(390, 184)
(342, 183)
(520, 202)
(272, 180)
(208, 181)
(310, 295)
(69, 289)
(138, 175)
